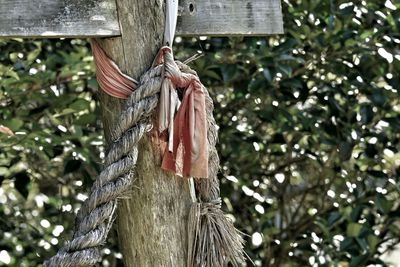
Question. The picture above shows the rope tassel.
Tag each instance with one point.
(212, 238)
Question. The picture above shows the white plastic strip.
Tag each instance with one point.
(192, 190)
(170, 21)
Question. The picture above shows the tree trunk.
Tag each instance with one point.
(152, 222)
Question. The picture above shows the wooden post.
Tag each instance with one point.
(152, 223)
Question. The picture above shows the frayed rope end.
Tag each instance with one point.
(212, 239)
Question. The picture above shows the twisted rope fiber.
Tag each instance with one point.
(94, 219)
(213, 240)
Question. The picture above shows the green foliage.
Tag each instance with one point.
(309, 136)
(47, 100)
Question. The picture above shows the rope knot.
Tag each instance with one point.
(172, 70)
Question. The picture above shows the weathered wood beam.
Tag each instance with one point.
(230, 17)
(58, 18)
(98, 18)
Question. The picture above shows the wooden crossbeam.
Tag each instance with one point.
(98, 18)
(230, 17)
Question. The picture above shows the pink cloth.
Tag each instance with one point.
(109, 76)
(189, 156)
(187, 150)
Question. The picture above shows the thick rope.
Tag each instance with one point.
(94, 219)
(213, 240)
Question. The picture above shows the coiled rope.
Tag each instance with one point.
(213, 240)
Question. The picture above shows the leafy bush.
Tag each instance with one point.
(309, 136)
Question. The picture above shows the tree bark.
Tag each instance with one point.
(152, 222)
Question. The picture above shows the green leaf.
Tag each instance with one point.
(345, 150)
(367, 114)
(64, 112)
(12, 73)
(373, 241)
(86, 119)
(285, 69)
(383, 204)
(346, 244)
(80, 104)
(359, 260)
(287, 45)
(33, 55)
(267, 74)
(212, 74)
(362, 242)
(353, 229)
(333, 218)
(14, 124)
(4, 171)
(228, 72)
(355, 213)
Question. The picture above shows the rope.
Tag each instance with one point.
(94, 219)
(213, 240)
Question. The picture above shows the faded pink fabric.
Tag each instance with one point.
(189, 154)
(109, 76)
(187, 150)
(190, 135)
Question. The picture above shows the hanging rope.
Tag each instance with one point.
(213, 240)
(96, 215)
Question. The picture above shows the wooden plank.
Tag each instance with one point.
(230, 17)
(58, 18)
(98, 18)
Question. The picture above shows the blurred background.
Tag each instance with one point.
(309, 137)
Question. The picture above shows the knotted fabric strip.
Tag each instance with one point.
(187, 153)
(213, 240)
